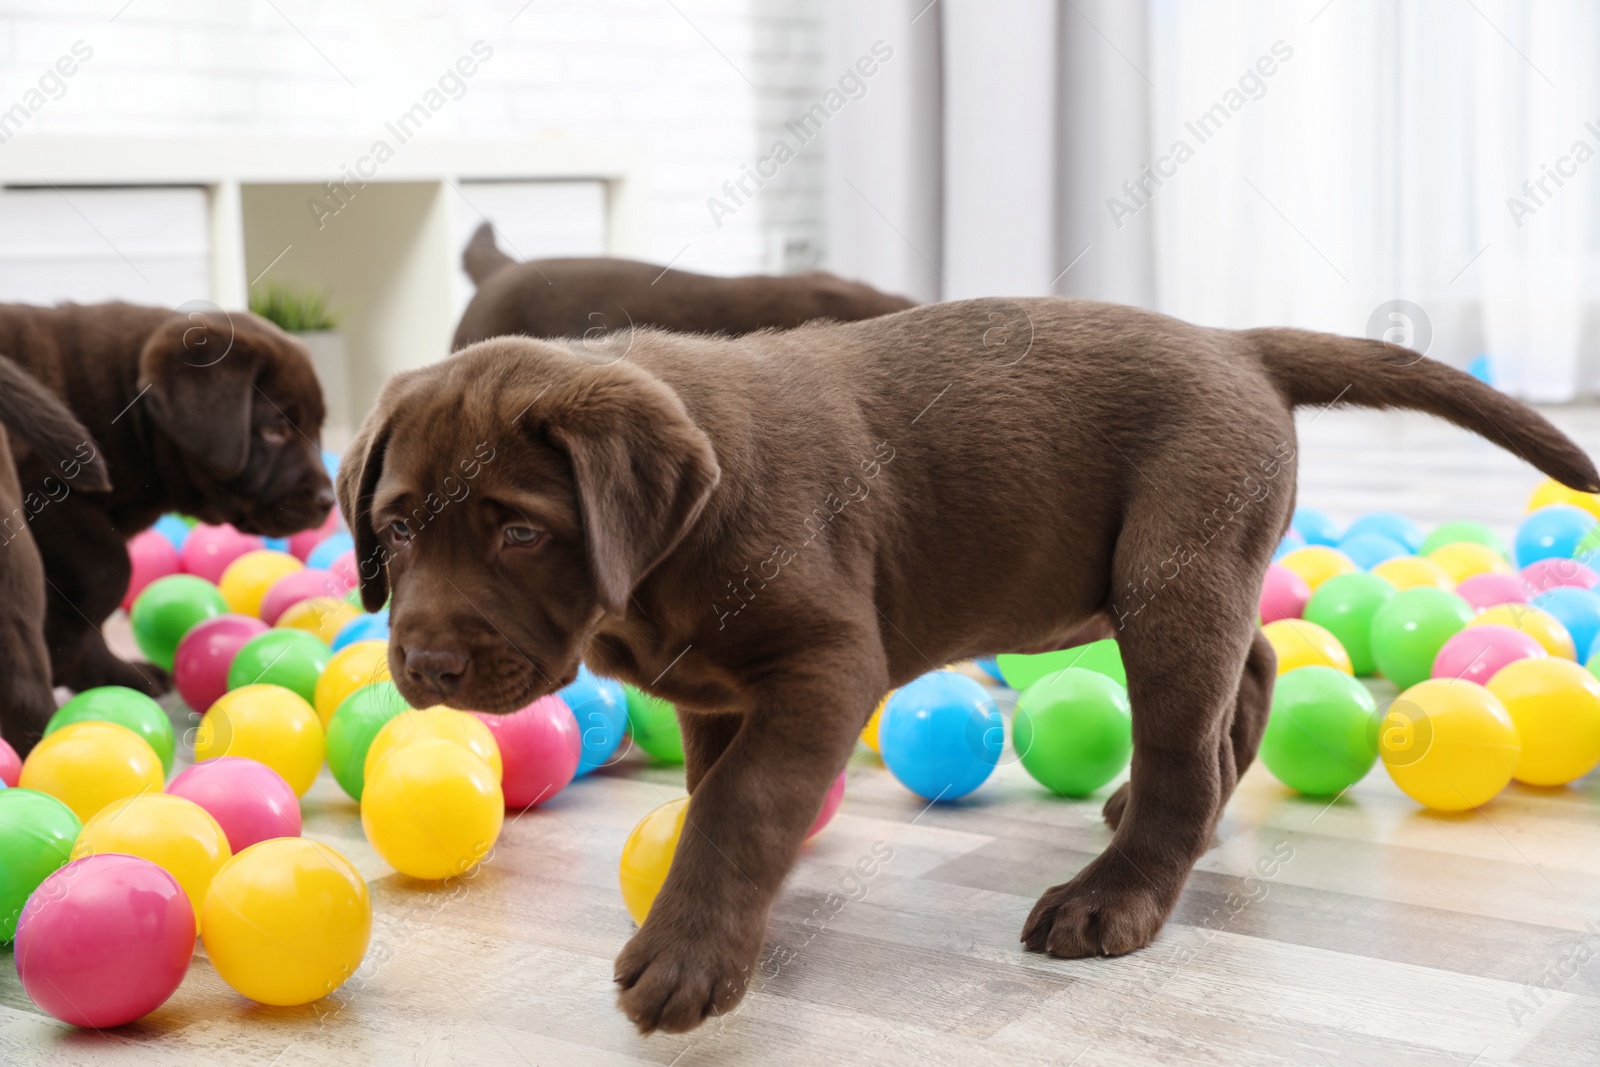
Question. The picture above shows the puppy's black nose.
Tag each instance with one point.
(440, 671)
(325, 500)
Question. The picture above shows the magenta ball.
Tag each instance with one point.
(1283, 594)
(301, 544)
(10, 765)
(208, 550)
(344, 569)
(200, 666)
(291, 589)
(1557, 572)
(1486, 590)
(104, 940)
(249, 800)
(539, 746)
(1477, 653)
(152, 557)
(830, 806)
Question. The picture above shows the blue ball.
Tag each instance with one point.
(173, 529)
(277, 544)
(363, 628)
(329, 549)
(1370, 549)
(1576, 609)
(1390, 524)
(601, 708)
(330, 463)
(990, 666)
(1316, 527)
(1558, 531)
(941, 735)
(1291, 541)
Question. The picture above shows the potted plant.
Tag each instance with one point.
(304, 312)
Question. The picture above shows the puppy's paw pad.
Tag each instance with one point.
(674, 986)
(1108, 910)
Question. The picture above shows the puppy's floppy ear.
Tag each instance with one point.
(359, 472)
(643, 471)
(200, 388)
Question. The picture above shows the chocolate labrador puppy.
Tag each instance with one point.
(771, 531)
(592, 297)
(214, 414)
(48, 436)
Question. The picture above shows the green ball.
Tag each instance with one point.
(291, 658)
(1452, 532)
(168, 609)
(352, 728)
(1409, 630)
(125, 707)
(1022, 670)
(36, 836)
(1074, 731)
(1344, 606)
(654, 725)
(1321, 737)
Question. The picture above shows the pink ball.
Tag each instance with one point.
(10, 765)
(344, 568)
(301, 544)
(291, 589)
(539, 746)
(830, 805)
(249, 800)
(200, 666)
(105, 940)
(1486, 590)
(208, 550)
(1283, 594)
(1478, 652)
(1544, 575)
(152, 556)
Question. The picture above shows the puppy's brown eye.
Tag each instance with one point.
(275, 433)
(400, 530)
(523, 535)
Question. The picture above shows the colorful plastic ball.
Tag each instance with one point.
(323, 617)
(245, 583)
(1315, 526)
(1486, 590)
(350, 668)
(647, 856)
(1299, 643)
(1283, 594)
(1551, 491)
(87, 765)
(352, 728)
(654, 725)
(1414, 572)
(1449, 745)
(248, 799)
(436, 723)
(1367, 550)
(830, 807)
(10, 763)
(1409, 630)
(345, 568)
(1560, 530)
(36, 836)
(151, 556)
(600, 708)
(175, 530)
(303, 543)
(1317, 563)
(287, 921)
(1557, 572)
(330, 549)
(200, 667)
(105, 940)
(1463, 532)
(431, 808)
(1576, 609)
(869, 732)
(1556, 706)
(174, 833)
(941, 735)
(1344, 606)
(1478, 652)
(539, 746)
(267, 723)
(125, 707)
(363, 628)
(990, 666)
(1390, 524)
(293, 659)
(1022, 670)
(276, 544)
(1536, 623)
(1319, 738)
(167, 610)
(209, 549)
(1074, 731)
(294, 587)
(1462, 560)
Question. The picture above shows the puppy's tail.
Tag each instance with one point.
(1319, 368)
(41, 421)
(482, 256)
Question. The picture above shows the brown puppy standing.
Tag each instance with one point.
(591, 297)
(772, 531)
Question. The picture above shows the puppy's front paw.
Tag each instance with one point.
(1116, 804)
(143, 677)
(673, 981)
(1109, 909)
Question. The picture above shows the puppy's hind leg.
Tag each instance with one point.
(26, 697)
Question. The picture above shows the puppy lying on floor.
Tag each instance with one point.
(771, 531)
(592, 297)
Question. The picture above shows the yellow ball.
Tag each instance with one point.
(266, 723)
(445, 724)
(1551, 491)
(648, 854)
(1299, 643)
(1556, 706)
(287, 921)
(1317, 563)
(245, 582)
(1462, 559)
(432, 809)
(175, 834)
(869, 734)
(1448, 744)
(1542, 626)
(352, 667)
(1409, 572)
(87, 765)
(324, 616)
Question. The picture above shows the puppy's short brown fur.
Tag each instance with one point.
(215, 415)
(592, 297)
(772, 531)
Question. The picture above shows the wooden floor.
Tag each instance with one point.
(1361, 932)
